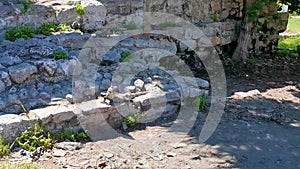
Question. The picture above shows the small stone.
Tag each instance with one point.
(148, 80)
(180, 145)
(129, 89)
(58, 153)
(12, 90)
(139, 84)
(70, 146)
(108, 154)
(45, 96)
(70, 99)
(171, 154)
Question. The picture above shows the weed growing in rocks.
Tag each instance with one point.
(26, 5)
(48, 28)
(125, 56)
(35, 137)
(134, 119)
(80, 9)
(252, 60)
(59, 55)
(79, 135)
(19, 32)
(167, 24)
(4, 147)
(130, 26)
(202, 103)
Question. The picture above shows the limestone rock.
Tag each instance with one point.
(21, 72)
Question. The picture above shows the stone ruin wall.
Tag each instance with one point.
(28, 73)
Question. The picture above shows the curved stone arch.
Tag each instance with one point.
(189, 34)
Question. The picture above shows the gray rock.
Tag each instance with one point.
(41, 51)
(111, 57)
(5, 78)
(139, 84)
(21, 72)
(45, 96)
(48, 66)
(127, 42)
(8, 60)
(13, 90)
(107, 75)
(70, 99)
(70, 146)
(2, 86)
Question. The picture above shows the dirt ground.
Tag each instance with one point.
(257, 131)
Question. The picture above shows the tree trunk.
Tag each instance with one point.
(244, 41)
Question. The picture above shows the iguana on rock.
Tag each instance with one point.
(113, 95)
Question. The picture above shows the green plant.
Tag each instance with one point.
(80, 9)
(64, 27)
(34, 137)
(19, 32)
(252, 60)
(59, 54)
(6, 165)
(290, 43)
(69, 135)
(294, 13)
(253, 11)
(47, 28)
(202, 103)
(125, 56)
(167, 24)
(133, 119)
(130, 26)
(4, 147)
(26, 5)
(215, 18)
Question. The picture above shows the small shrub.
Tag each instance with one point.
(19, 32)
(79, 135)
(125, 56)
(59, 55)
(80, 9)
(167, 24)
(130, 26)
(64, 28)
(35, 137)
(134, 119)
(47, 28)
(4, 147)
